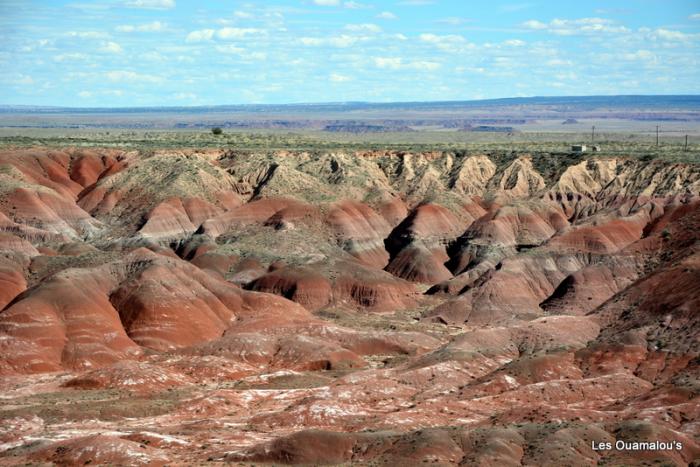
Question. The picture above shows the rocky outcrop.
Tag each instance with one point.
(380, 307)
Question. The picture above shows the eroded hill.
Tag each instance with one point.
(374, 307)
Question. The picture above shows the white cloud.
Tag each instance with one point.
(365, 27)
(87, 34)
(228, 33)
(670, 35)
(397, 63)
(424, 65)
(151, 4)
(130, 76)
(570, 27)
(355, 5)
(242, 14)
(514, 43)
(111, 48)
(69, 57)
(352, 5)
(559, 62)
(386, 15)
(338, 78)
(447, 43)
(341, 41)
(155, 26)
(437, 39)
(231, 49)
(200, 35)
(453, 20)
(694, 16)
(255, 56)
(504, 62)
(152, 57)
(237, 33)
(534, 24)
(393, 63)
(19, 79)
(85, 94)
(641, 55)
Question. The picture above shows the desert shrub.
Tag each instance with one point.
(217, 131)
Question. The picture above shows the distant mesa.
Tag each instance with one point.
(489, 129)
(361, 127)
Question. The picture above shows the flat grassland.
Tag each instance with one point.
(671, 147)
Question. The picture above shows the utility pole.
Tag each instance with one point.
(657, 135)
(593, 134)
(685, 147)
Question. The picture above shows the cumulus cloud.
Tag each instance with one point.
(387, 15)
(393, 63)
(151, 4)
(534, 24)
(671, 36)
(352, 5)
(570, 27)
(69, 57)
(640, 55)
(355, 5)
(338, 78)
(340, 41)
(694, 16)
(415, 2)
(111, 48)
(366, 27)
(19, 79)
(230, 49)
(437, 39)
(453, 20)
(155, 26)
(227, 33)
(397, 63)
(237, 33)
(245, 54)
(131, 76)
(87, 34)
(424, 65)
(200, 35)
(559, 62)
(447, 43)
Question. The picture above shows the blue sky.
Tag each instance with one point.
(178, 52)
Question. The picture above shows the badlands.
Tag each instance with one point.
(188, 307)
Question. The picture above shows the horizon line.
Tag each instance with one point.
(351, 102)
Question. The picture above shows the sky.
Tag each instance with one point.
(121, 53)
